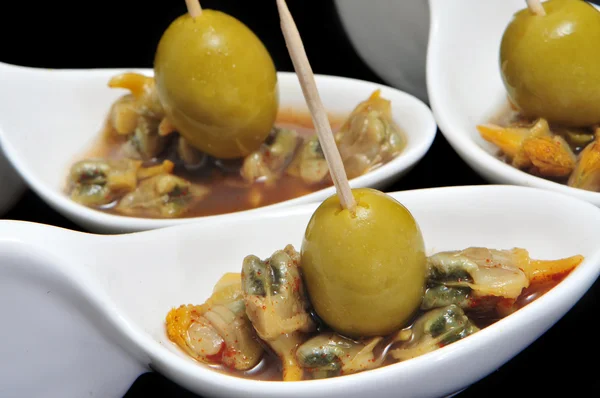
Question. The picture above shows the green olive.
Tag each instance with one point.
(217, 83)
(550, 64)
(365, 271)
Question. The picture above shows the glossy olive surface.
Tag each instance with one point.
(364, 272)
(550, 64)
(217, 83)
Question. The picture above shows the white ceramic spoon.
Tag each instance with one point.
(465, 86)
(391, 37)
(84, 314)
(49, 118)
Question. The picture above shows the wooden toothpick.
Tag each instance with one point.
(193, 7)
(317, 110)
(536, 7)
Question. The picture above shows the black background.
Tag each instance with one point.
(111, 33)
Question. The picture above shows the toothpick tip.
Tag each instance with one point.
(536, 7)
(194, 8)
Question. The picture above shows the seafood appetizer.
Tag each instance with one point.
(361, 293)
(262, 323)
(205, 134)
(552, 127)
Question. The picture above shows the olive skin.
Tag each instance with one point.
(365, 273)
(550, 64)
(217, 83)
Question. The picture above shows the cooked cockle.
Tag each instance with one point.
(369, 136)
(277, 305)
(220, 334)
(190, 156)
(535, 148)
(163, 195)
(227, 289)
(143, 90)
(485, 271)
(469, 276)
(218, 331)
(329, 354)
(587, 172)
(510, 139)
(138, 115)
(550, 156)
(437, 296)
(100, 182)
(123, 115)
(543, 270)
(576, 138)
(144, 143)
(432, 330)
(366, 139)
(268, 162)
(276, 284)
(309, 164)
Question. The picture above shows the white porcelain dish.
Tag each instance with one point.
(465, 86)
(391, 38)
(84, 314)
(49, 118)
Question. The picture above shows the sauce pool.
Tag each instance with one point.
(229, 192)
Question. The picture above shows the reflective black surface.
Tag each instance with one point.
(124, 34)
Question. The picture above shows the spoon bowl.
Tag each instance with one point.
(465, 86)
(70, 107)
(106, 297)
